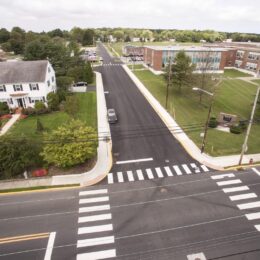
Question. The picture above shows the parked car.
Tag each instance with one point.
(80, 84)
(111, 115)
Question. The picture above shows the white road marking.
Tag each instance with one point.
(92, 192)
(94, 208)
(110, 178)
(253, 216)
(186, 168)
(95, 229)
(257, 227)
(168, 171)
(256, 171)
(95, 241)
(120, 177)
(223, 183)
(177, 170)
(159, 172)
(222, 176)
(93, 200)
(134, 161)
(243, 196)
(130, 175)
(95, 218)
(140, 175)
(250, 205)
(204, 168)
(149, 173)
(97, 255)
(235, 189)
(50, 245)
(197, 169)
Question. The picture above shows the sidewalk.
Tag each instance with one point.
(218, 163)
(9, 124)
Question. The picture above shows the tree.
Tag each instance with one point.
(88, 37)
(70, 144)
(4, 35)
(16, 156)
(88, 73)
(40, 107)
(53, 101)
(56, 33)
(35, 50)
(17, 40)
(72, 105)
(4, 109)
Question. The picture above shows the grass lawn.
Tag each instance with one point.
(233, 96)
(256, 81)
(136, 66)
(87, 113)
(233, 73)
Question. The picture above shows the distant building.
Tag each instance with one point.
(130, 50)
(23, 83)
(135, 39)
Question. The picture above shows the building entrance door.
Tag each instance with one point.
(20, 102)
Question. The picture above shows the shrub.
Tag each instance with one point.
(243, 124)
(53, 101)
(235, 129)
(213, 123)
(28, 111)
(40, 108)
(72, 105)
(4, 109)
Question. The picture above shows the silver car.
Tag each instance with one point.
(111, 115)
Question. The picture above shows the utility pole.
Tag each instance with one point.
(249, 127)
(168, 83)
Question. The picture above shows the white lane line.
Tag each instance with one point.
(186, 168)
(140, 175)
(92, 192)
(110, 178)
(95, 241)
(253, 216)
(223, 183)
(222, 176)
(243, 196)
(257, 227)
(50, 245)
(149, 173)
(130, 176)
(256, 171)
(194, 166)
(250, 205)
(95, 218)
(168, 171)
(235, 189)
(120, 177)
(95, 229)
(204, 168)
(159, 172)
(97, 255)
(94, 208)
(93, 200)
(134, 161)
(177, 170)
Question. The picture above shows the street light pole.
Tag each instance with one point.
(249, 127)
(168, 83)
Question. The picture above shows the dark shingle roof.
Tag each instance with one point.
(23, 71)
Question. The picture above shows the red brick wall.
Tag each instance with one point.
(154, 58)
(228, 59)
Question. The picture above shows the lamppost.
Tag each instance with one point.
(168, 82)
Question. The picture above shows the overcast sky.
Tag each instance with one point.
(221, 15)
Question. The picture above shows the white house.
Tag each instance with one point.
(23, 83)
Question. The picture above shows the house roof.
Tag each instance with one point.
(184, 48)
(23, 71)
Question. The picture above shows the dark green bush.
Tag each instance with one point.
(213, 123)
(4, 109)
(243, 125)
(40, 108)
(28, 111)
(235, 129)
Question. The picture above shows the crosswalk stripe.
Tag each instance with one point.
(110, 178)
(168, 171)
(92, 192)
(130, 176)
(120, 177)
(221, 176)
(93, 200)
(94, 208)
(95, 229)
(257, 227)
(95, 218)
(223, 183)
(253, 216)
(235, 189)
(140, 175)
(97, 255)
(250, 205)
(159, 172)
(195, 167)
(256, 171)
(186, 168)
(149, 173)
(95, 241)
(243, 196)
(204, 168)
(177, 170)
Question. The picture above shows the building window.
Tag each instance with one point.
(18, 87)
(2, 88)
(49, 69)
(52, 78)
(34, 86)
(251, 66)
(48, 82)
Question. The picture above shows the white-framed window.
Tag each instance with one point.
(18, 87)
(49, 83)
(2, 88)
(35, 99)
(52, 78)
(49, 69)
(253, 55)
(238, 63)
(251, 66)
(34, 86)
